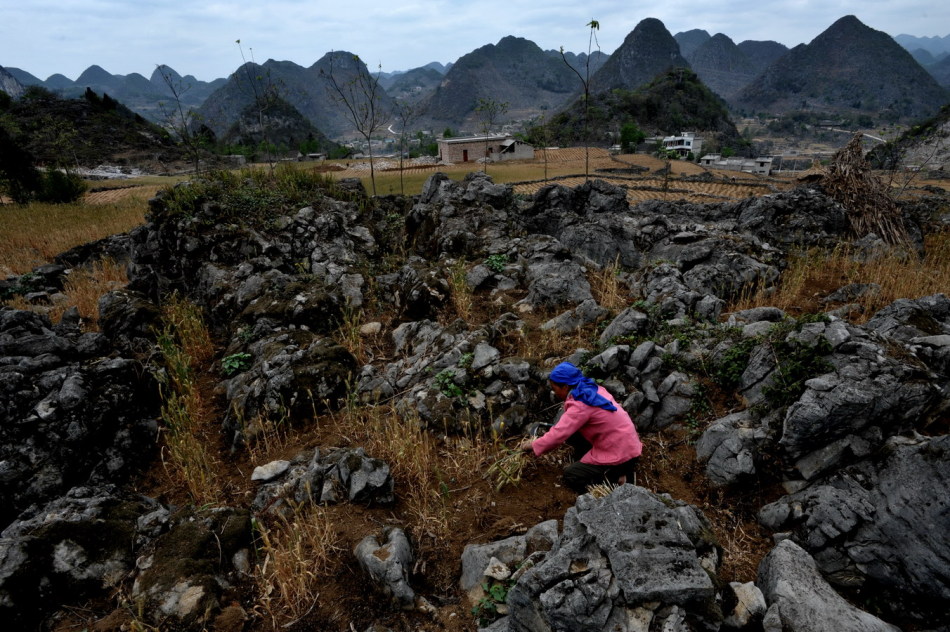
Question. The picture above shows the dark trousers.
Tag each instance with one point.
(579, 476)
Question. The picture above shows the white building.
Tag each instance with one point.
(684, 144)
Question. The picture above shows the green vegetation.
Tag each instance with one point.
(445, 380)
(496, 263)
(496, 594)
(235, 363)
(671, 103)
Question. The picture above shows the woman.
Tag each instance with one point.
(592, 418)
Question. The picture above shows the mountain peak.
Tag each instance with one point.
(841, 71)
(646, 52)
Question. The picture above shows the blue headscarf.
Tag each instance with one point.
(583, 388)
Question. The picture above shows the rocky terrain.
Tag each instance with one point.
(833, 435)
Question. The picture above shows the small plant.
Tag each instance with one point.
(465, 361)
(445, 380)
(496, 263)
(496, 594)
(235, 363)
(728, 371)
(700, 411)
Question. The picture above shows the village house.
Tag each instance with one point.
(494, 148)
(761, 165)
(684, 144)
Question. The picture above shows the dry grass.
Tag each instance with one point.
(34, 234)
(348, 335)
(814, 273)
(461, 293)
(187, 413)
(423, 466)
(298, 553)
(543, 345)
(82, 290)
(607, 288)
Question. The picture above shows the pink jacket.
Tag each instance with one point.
(611, 433)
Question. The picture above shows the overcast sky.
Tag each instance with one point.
(197, 37)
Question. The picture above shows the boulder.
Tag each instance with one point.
(803, 601)
(325, 476)
(881, 524)
(632, 554)
(79, 546)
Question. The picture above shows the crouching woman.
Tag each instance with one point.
(600, 431)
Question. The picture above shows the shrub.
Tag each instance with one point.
(58, 187)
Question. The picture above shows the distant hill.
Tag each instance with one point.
(413, 85)
(579, 61)
(933, 45)
(940, 71)
(303, 88)
(879, 77)
(514, 70)
(722, 65)
(286, 128)
(762, 54)
(646, 52)
(142, 96)
(691, 40)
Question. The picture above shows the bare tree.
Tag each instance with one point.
(361, 97)
(265, 93)
(488, 112)
(594, 26)
(180, 119)
(406, 113)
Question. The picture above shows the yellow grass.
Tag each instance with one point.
(297, 551)
(82, 289)
(899, 275)
(186, 351)
(34, 234)
(607, 288)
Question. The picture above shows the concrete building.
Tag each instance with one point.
(761, 165)
(684, 144)
(475, 148)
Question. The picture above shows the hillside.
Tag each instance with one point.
(9, 84)
(284, 128)
(814, 77)
(762, 54)
(88, 131)
(925, 146)
(514, 70)
(303, 412)
(671, 103)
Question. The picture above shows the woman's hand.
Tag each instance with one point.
(525, 444)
